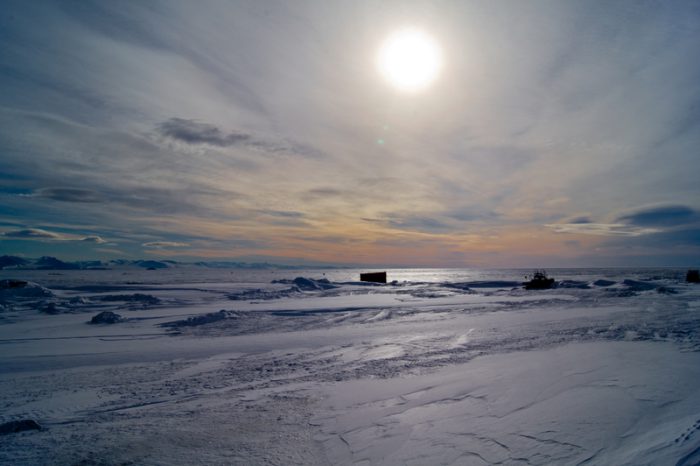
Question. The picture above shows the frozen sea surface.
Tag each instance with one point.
(438, 367)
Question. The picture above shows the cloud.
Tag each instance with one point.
(675, 227)
(32, 233)
(190, 199)
(93, 239)
(321, 193)
(578, 219)
(601, 229)
(69, 194)
(659, 215)
(111, 251)
(44, 235)
(282, 218)
(687, 239)
(472, 215)
(437, 222)
(164, 244)
(282, 213)
(194, 132)
(418, 223)
(651, 219)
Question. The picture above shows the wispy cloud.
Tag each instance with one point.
(578, 219)
(32, 233)
(164, 244)
(69, 194)
(44, 235)
(418, 223)
(194, 132)
(662, 215)
(638, 221)
(93, 239)
(601, 229)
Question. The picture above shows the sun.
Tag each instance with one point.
(409, 59)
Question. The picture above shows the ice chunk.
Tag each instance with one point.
(10, 289)
(13, 427)
(258, 294)
(603, 283)
(573, 284)
(666, 290)
(145, 299)
(78, 300)
(106, 317)
(308, 284)
(483, 284)
(638, 286)
(202, 319)
(50, 308)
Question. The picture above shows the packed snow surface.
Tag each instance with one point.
(313, 367)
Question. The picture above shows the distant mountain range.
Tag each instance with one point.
(52, 263)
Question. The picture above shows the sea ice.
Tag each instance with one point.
(453, 369)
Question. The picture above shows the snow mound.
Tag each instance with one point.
(13, 427)
(573, 284)
(666, 290)
(260, 294)
(483, 284)
(10, 283)
(385, 314)
(106, 317)
(202, 319)
(430, 294)
(621, 293)
(299, 285)
(308, 284)
(635, 285)
(12, 289)
(50, 308)
(145, 299)
(357, 283)
(457, 286)
(78, 300)
(603, 283)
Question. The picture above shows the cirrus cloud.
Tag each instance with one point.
(601, 229)
(93, 239)
(659, 215)
(69, 194)
(32, 233)
(194, 132)
(38, 234)
(164, 244)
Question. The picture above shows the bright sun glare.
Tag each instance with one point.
(409, 59)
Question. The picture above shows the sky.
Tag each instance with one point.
(556, 133)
